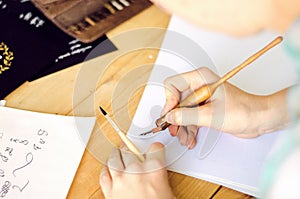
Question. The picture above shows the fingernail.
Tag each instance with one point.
(169, 118)
(192, 144)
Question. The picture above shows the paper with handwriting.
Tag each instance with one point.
(39, 153)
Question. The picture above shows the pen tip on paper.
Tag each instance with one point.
(152, 131)
(146, 133)
(102, 110)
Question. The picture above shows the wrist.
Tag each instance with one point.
(271, 112)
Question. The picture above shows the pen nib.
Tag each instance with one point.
(146, 133)
(155, 130)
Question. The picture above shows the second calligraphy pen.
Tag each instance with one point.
(205, 92)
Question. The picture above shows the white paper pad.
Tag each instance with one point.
(229, 161)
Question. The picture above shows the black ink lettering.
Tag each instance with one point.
(3, 157)
(42, 141)
(25, 142)
(21, 189)
(42, 132)
(9, 150)
(2, 173)
(24, 1)
(29, 158)
(36, 147)
(4, 189)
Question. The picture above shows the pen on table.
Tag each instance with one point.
(206, 91)
(125, 139)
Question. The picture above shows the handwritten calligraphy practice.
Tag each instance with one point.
(15, 148)
(37, 151)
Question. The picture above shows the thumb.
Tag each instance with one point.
(106, 182)
(156, 151)
(199, 116)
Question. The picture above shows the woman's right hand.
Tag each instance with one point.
(230, 109)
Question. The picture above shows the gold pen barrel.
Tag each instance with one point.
(199, 96)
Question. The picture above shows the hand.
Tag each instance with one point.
(126, 177)
(233, 16)
(230, 109)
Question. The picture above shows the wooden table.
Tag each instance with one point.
(55, 94)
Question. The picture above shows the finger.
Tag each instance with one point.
(182, 135)
(173, 130)
(178, 87)
(156, 151)
(172, 99)
(115, 163)
(199, 116)
(128, 159)
(174, 86)
(105, 182)
(155, 157)
(122, 145)
(192, 136)
(190, 80)
(186, 93)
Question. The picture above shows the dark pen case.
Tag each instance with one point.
(87, 20)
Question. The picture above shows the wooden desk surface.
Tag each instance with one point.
(55, 94)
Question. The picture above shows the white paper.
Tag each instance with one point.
(39, 153)
(232, 162)
(2, 102)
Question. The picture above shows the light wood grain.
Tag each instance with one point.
(225, 192)
(118, 89)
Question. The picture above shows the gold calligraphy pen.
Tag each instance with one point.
(125, 139)
(205, 92)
